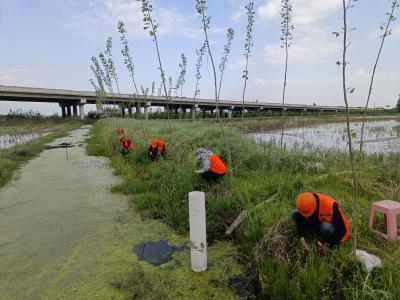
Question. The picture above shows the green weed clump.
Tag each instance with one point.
(267, 238)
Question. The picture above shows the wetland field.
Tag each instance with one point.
(75, 225)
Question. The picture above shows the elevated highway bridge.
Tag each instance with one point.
(70, 100)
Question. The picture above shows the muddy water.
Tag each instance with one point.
(379, 137)
(63, 235)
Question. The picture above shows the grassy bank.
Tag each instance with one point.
(12, 158)
(267, 240)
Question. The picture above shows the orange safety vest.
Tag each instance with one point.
(325, 213)
(159, 144)
(127, 144)
(216, 165)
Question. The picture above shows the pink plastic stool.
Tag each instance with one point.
(390, 209)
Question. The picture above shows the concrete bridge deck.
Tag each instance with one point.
(68, 99)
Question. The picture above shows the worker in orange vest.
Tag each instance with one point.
(157, 148)
(212, 167)
(321, 215)
(119, 132)
(126, 145)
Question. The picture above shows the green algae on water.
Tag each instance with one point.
(63, 235)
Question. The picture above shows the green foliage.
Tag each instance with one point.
(181, 79)
(287, 26)
(128, 60)
(268, 245)
(99, 87)
(151, 25)
(286, 38)
(224, 60)
(247, 47)
(200, 53)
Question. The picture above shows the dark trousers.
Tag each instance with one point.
(211, 175)
(323, 230)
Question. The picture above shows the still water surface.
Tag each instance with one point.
(379, 137)
(63, 235)
(8, 141)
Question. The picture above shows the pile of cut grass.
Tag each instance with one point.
(160, 191)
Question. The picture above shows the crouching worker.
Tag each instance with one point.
(119, 132)
(320, 215)
(126, 145)
(212, 167)
(157, 148)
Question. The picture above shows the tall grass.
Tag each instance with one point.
(267, 238)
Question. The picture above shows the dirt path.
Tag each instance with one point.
(63, 235)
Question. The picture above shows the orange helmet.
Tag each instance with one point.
(306, 204)
(119, 131)
(154, 143)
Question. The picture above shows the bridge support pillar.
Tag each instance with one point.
(193, 112)
(146, 110)
(69, 111)
(230, 111)
(204, 113)
(123, 110)
(75, 110)
(63, 112)
(81, 108)
(138, 106)
(81, 111)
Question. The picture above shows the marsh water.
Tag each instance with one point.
(8, 141)
(379, 137)
(63, 235)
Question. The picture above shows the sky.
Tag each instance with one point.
(49, 44)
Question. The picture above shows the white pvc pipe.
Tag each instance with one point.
(197, 220)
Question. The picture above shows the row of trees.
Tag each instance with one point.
(105, 77)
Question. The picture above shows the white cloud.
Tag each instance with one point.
(13, 76)
(396, 33)
(101, 16)
(312, 47)
(261, 82)
(361, 73)
(294, 82)
(238, 64)
(270, 10)
(237, 15)
(311, 44)
(305, 12)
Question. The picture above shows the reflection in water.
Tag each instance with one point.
(8, 141)
(379, 137)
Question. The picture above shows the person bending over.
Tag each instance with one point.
(212, 167)
(126, 145)
(320, 215)
(157, 148)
